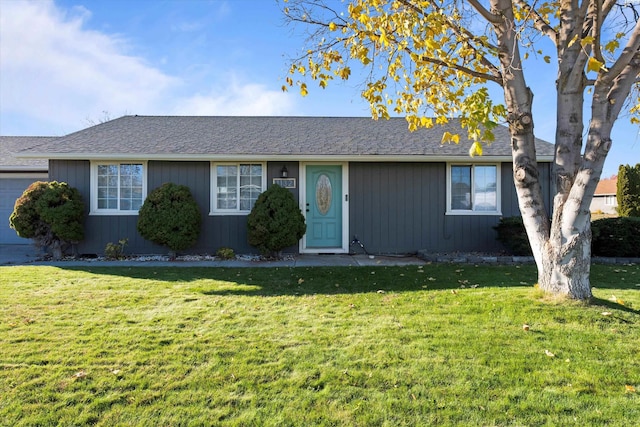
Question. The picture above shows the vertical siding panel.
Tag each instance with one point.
(393, 207)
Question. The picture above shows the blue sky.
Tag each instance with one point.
(64, 63)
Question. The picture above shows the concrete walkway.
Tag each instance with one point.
(28, 255)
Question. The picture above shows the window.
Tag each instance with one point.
(117, 188)
(473, 189)
(236, 186)
(610, 200)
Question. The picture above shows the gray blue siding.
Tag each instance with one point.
(400, 208)
(393, 208)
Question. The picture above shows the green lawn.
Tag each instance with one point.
(352, 346)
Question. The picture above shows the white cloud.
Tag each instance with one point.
(237, 99)
(55, 73)
(54, 70)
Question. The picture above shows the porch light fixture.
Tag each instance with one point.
(284, 173)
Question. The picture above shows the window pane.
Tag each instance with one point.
(227, 201)
(107, 186)
(130, 186)
(120, 186)
(250, 185)
(227, 170)
(238, 186)
(485, 188)
(461, 187)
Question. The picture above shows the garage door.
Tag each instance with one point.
(10, 190)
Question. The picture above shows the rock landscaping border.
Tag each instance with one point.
(500, 259)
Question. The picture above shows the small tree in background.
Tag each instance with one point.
(170, 217)
(275, 222)
(50, 213)
(628, 190)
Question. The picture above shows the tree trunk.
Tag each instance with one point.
(566, 268)
(56, 250)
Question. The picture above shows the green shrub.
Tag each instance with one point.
(616, 237)
(275, 222)
(225, 253)
(50, 213)
(170, 217)
(628, 190)
(512, 235)
(115, 250)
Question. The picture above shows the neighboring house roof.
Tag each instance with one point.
(198, 138)
(607, 186)
(10, 145)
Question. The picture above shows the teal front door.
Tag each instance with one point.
(324, 206)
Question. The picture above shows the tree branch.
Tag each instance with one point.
(466, 34)
(486, 14)
(630, 51)
(491, 77)
(539, 22)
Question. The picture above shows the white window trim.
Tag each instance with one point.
(450, 211)
(213, 211)
(94, 187)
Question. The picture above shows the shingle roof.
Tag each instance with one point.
(182, 137)
(607, 186)
(10, 145)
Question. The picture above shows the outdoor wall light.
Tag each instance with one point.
(284, 172)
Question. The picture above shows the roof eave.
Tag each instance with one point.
(20, 169)
(274, 157)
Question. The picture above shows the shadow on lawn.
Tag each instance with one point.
(328, 280)
(294, 281)
(613, 305)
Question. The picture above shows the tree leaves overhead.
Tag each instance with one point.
(429, 59)
(422, 62)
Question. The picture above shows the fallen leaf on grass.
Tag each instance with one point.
(629, 389)
(80, 374)
(616, 300)
(548, 353)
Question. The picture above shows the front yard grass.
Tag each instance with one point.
(351, 346)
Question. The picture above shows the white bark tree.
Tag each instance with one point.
(432, 59)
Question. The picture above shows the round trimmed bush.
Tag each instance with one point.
(50, 213)
(275, 222)
(170, 217)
